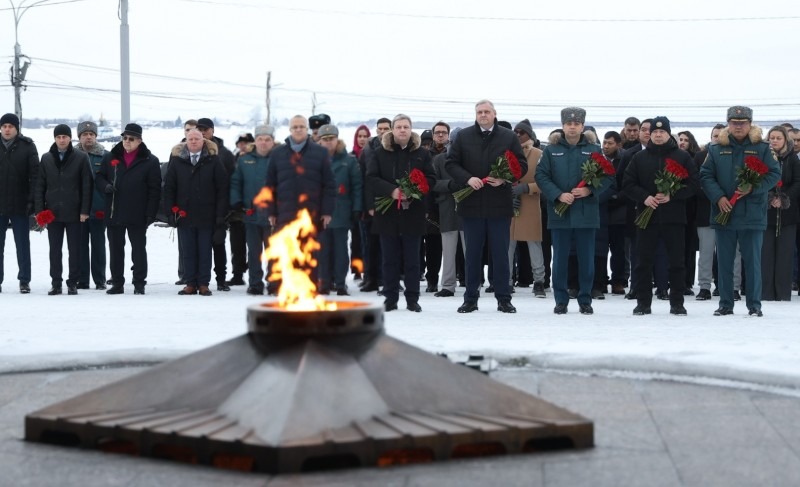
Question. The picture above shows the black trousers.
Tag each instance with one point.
(393, 247)
(647, 242)
(374, 270)
(137, 234)
(432, 247)
(220, 254)
(524, 270)
(238, 248)
(55, 236)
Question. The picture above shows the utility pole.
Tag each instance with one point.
(269, 86)
(18, 73)
(314, 103)
(125, 64)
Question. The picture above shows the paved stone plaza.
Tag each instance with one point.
(647, 433)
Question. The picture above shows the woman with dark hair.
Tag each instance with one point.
(782, 216)
(687, 142)
(357, 253)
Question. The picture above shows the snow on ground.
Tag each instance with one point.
(39, 331)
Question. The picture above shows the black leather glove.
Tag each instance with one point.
(109, 189)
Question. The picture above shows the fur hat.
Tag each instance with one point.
(573, 114)
(317, 121)
(328, 130)
(10, 118)
(660, 123)
(87, 127)
(62, 129)
(248, 138)
(265, 130)
(739, 112)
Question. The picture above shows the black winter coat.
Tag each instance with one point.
(138, 187)
(64, 187)
(19, 166)
(640, 176)
(472, 156)
(300, 180)
(385, 166)
(201, 191)
(702, 215)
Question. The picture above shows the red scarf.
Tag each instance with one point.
(356, 149)
(129, 157)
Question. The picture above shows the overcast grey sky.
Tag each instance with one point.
(684, 59)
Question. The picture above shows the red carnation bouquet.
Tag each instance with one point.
(342, 189)
(412, 186)
(747, 177)
(99, 214)
(178, 213)
(43, 218)
(506, 167)
(668, 181)
(594, 170)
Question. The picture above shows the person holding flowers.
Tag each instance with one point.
(562, 174)
(399, 174)
(485, 160)
(739, 206)
(660, 179)
(782, 215)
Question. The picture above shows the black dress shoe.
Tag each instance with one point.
(235, 281)
(24, 288)
(597, 294)
(468, 307)
(82, 285)
(572, 293)
(115, 290)
(72, 290)
(444, 293)
(703, 295)
(560, 309)
(100, 287)
(737, 296)
(54, 291)
(324, 291)
(389, 305)
(723, 311)
(432, 288)
(221, 286)
(342, 291)
(356, 276)
(138, 289)
(586, 309)
(490, 289)
(755, 312)
(179, 282)
(109, 282)
(662, 294)
(631, 295)
(641, 310)
(506, 307)
(688, 292)
(716, 292)
(415, 307)
(677, 310)
(369, 286)
(255, 291)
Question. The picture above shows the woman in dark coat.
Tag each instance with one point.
(782, 215)
(400, 229)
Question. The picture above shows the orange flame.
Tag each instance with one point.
(358, 265)
(263, 197)
(290, 250)
(302, 198)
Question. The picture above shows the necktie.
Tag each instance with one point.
(194, 158)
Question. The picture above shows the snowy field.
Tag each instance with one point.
(39, 331)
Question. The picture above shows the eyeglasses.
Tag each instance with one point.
(128, 138)
(440, 132)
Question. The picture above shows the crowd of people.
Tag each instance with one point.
(401, 208)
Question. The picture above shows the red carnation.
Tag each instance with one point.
(182, 214)
(780, 183)
(99, 214)
(249, 212)
(43, 218)
(175, 209)
(342, 189)
(114, 162)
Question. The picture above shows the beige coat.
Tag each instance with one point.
(528, 225)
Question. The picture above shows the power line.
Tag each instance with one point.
(47, 4)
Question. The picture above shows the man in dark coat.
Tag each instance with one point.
(196, 201)
(130, 176)
(234, 220)
(668, 221)
(400, 229)
(19, 165)
(93, 231)
(64, 187)
(487, 212)
(300, 177)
